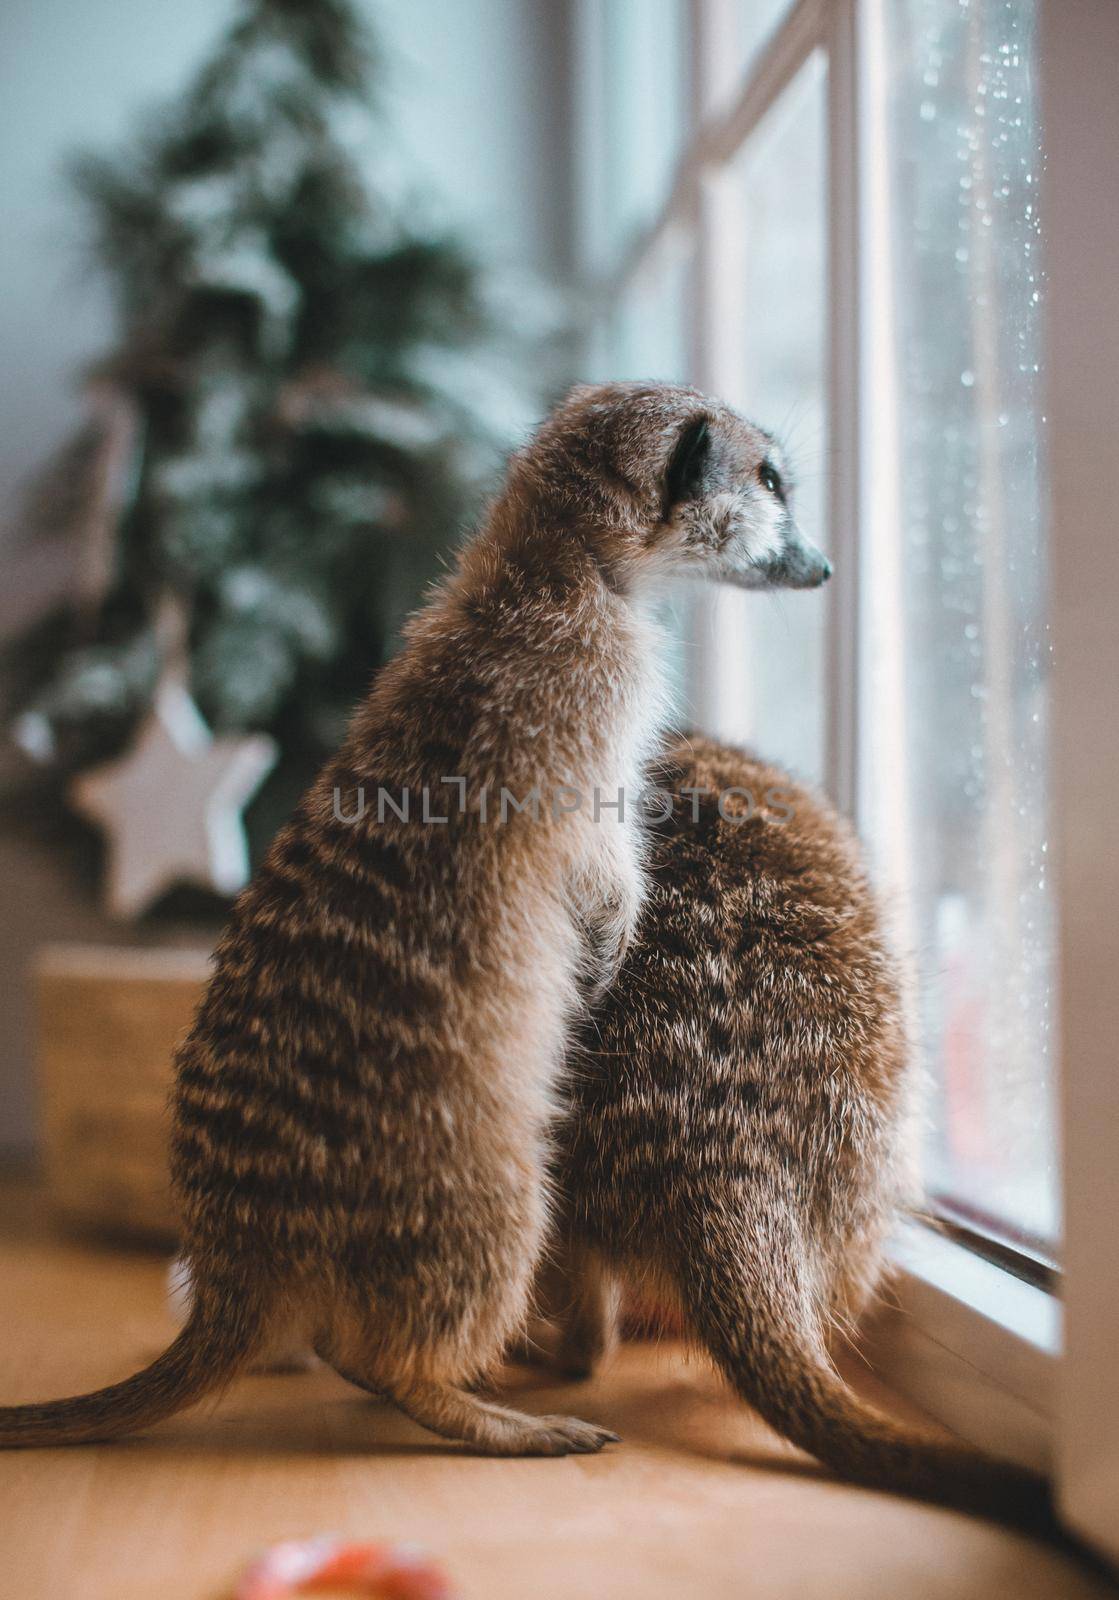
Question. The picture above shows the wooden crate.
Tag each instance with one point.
(108, 1020)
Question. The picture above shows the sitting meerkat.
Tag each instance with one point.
(739, 1125)
(360, 1111)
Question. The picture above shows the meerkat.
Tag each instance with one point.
(739, 1136)
(360, 1111)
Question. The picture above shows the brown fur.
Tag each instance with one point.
(739, 1127)
(361, 1108)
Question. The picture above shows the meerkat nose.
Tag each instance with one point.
(827, 570)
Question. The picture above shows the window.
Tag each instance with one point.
(868, 172)
(953, 792)
(778, 369)
(717, 260)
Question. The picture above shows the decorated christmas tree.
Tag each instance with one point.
(307, 394)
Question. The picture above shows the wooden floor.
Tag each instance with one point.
(699, 1500)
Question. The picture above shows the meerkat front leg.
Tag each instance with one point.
(608, 907)
(606, 938)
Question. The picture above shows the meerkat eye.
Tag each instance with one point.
(770, 478)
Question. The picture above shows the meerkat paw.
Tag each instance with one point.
(607, 905)
(491, 1430)
(609, 932)
(562, 1436)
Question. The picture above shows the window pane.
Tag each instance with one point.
(959, 623)
(647, 334)
(646, 110)
(769, 648)
(734, 35)
(753, 24)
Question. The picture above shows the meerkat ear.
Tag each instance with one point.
(687, 466)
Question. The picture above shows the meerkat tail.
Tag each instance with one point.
(216, 1343)
(757, 1320)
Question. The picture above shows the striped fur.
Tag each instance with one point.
(740, 1124)
(361, 1109)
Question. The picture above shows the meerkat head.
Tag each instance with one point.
(729, 507)
(686, 485)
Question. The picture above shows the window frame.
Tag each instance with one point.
(1079, 53)
(963, 1337)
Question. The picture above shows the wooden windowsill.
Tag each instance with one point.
(699, 1500)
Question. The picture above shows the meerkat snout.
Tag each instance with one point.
(684, 484)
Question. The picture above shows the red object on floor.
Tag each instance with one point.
(376, 1569)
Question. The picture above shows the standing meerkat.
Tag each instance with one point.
(360, 1110)
(739, 1131)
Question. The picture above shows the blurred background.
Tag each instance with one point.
(280, 285)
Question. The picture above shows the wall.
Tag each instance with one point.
(476, 103)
